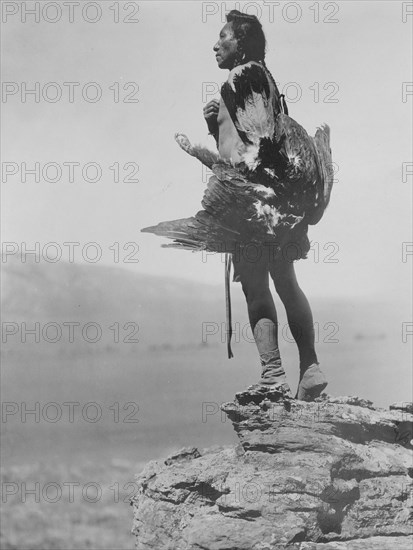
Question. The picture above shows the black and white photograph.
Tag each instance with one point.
(206, 275)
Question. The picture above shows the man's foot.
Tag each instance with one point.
(270, 380)
(312, 383)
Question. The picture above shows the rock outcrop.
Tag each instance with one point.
(332, 474)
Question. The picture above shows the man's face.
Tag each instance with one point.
(226, 48)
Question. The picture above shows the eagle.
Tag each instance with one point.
(283, 183)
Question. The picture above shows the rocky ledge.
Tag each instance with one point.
(332, 474)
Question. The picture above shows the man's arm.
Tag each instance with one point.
(215, 136)
(211, 115)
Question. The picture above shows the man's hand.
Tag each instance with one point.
(211, 114)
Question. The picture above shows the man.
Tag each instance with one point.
(241, 50)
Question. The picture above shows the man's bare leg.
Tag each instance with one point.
(300, 320)
(262, 314)
(299, 315)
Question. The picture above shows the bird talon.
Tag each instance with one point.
(184, 143)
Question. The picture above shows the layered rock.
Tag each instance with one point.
(333, 474)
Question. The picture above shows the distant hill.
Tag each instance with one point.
(166, 310)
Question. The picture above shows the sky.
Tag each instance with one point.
(344, 63)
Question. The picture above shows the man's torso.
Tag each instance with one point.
(230, 145)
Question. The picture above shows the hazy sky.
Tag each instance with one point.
(361, 61)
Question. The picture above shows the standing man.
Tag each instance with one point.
(241, 50)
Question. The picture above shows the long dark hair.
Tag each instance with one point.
(249, 34)
(252, 44)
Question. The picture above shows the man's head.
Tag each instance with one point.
(241, 40)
